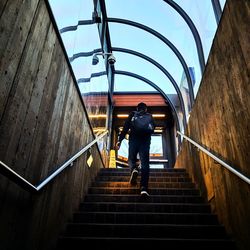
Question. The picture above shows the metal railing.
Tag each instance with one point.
(18, 179)
(231, 169)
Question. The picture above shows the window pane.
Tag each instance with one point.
(68, 13)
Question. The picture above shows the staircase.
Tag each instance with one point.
(114, 216)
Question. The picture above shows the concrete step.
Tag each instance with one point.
(145, 207)
(113, 243)
(135, 190)
(146, 230)
(136, 198)
(145, 217)
(122, 178)
(174, 216)
(150, 184)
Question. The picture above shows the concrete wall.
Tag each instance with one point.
(220, 120)
(42, 124)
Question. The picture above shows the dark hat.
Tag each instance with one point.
(141, 106)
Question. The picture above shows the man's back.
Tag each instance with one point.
(141, 124)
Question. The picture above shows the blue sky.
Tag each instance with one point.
(154, 14)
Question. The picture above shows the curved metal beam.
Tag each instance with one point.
(84, 54)
(74, 27)
(81, 80)
(194, 31)
(165, 72)
(168, 43)
(217, 10)
(121, 72)
(169, 76)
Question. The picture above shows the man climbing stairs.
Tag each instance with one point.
(113, 215)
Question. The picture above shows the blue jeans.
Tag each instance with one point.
(142, 147)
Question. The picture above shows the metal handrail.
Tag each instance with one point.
(241, 176)
(27, 185)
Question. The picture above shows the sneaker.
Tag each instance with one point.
(144, 193)
(133, 177)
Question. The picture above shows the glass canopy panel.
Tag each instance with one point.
(202, 15)
(67, 14)
(161, 17)
(125, 83)
(145, 69)
(145, 43)
(85, 38)
(149, 45)
(222, 4)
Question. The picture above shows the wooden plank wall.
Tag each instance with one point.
(220, 120)
(42, 124)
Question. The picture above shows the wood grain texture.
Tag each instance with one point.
(220, 121)
(42, 124)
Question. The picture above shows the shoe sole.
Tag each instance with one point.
(144, 197)
(133, 178)
(144, 194)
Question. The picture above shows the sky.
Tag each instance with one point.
(154, 14)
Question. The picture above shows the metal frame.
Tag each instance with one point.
(22, 182)
(82, 80)
(168, 43)
(194, 31)
(165, 72)
(121, 72)
(149, 59)
(217, 10)
(224, 164)
(75, 27)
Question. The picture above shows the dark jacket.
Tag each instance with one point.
(128, 129)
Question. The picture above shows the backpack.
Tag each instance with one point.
(142, 123)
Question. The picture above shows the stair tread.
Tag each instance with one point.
(143, 213)
(152, 238)
(136, 195)
(145, 225)
(113, 213)
(146, 203)
(150, 188)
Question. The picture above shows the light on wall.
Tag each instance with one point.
(111, 58)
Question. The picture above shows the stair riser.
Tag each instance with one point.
(136, 198)
(126, 218)
(152, 174)
(142, 207)
(154, 231)
(152, 170)
(135, 190)
(176, 244)
(151, 184)
(151, 179)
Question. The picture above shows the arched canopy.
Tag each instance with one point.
(83, 80)
(156, 39)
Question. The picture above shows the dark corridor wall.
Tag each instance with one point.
(220, 120)
(42, 124)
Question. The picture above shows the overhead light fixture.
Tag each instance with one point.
(98, 116)
(111, 58)
(154, 115)
(122, 115)
(158, 115)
